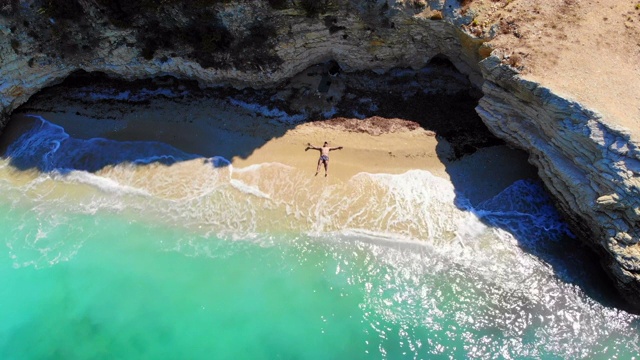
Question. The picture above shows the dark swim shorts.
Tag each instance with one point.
(324, 158)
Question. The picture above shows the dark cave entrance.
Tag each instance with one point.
(437, 97)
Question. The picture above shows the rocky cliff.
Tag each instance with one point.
(590, 167)
(242, 43)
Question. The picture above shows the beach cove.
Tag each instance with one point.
(157, 200)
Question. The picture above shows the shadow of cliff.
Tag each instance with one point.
(93, 121)
(32, 142)
(505, 192)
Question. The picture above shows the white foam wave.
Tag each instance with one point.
(48, 147)
(248, 189)
(241, 203)
(258, 167)
(273, 196)
(415, 203)
(104, 184)
(268, 112)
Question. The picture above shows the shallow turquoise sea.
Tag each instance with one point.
(109, 266)
(130, 291)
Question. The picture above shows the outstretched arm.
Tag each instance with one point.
(336, 148)
(309, 146)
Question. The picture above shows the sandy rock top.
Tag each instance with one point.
(587, 50)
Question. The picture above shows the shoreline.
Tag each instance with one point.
(216, 128)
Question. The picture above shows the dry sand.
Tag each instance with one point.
(586, 50)
(393, 153)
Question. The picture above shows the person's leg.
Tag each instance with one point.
(326, 167)
(318, 168)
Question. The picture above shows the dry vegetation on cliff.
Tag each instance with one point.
(585, 49)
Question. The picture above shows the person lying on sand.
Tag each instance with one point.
(324, 155)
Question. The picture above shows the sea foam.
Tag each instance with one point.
(211, 194)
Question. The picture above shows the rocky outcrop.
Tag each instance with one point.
(248, 43)
(590, 167)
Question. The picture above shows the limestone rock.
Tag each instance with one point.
(590, 166)
(248, 43)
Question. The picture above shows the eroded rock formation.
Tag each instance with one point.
(243, 43)
(590, 167)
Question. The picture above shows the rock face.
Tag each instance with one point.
(244, 43)
(590, 167)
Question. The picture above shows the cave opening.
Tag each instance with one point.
(437, 97)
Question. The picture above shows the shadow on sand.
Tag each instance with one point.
(512, 197)
(123, 128)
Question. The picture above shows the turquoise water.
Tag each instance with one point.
(127, 297)
(238, 264)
